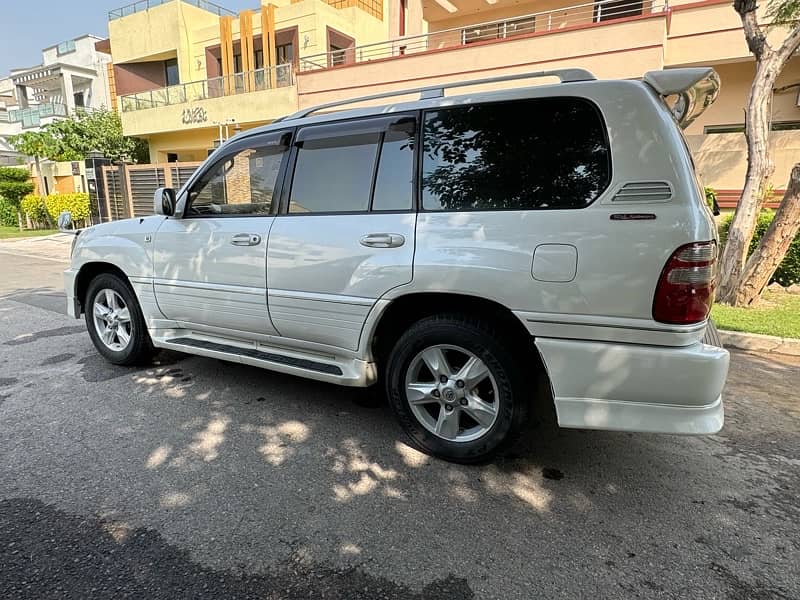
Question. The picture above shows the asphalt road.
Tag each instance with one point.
(195, 478)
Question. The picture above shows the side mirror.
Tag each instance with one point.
(64, 222)
(164, 201)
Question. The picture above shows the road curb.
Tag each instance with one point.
(760, 343)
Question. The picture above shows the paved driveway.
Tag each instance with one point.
(195, 478)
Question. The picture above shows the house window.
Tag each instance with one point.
(78, 99)
(237, 63)
(608, 10)
(338, 56)
(285, 53)
(259, 56)
(171, 72)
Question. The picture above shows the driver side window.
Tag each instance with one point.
(240, 184)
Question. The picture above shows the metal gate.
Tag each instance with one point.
(129, 189)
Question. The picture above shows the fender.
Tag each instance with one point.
(128, 246)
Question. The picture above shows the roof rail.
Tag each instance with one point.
(437, 91)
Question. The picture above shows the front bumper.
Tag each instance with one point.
(73, 304)
(631, 387)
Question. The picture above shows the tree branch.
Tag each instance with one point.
(756, 40)
(785, 88)
(789, 45)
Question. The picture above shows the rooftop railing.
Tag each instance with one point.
(135, 7)
(216, 87)
(540, 22)
(33, 115)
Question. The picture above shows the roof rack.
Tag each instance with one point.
(437, 91)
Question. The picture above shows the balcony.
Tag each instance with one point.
(255, 96)
(563, 18)
(142, 5)
(217, 87)
(33, 115)
(611, 38)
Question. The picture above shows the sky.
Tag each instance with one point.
(28, 27)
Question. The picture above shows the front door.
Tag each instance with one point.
(210, 265)
(345, 235)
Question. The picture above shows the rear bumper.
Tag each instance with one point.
(630, 387)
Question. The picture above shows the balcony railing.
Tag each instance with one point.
(540, 22)
(33, 115)
(217, 87)
(135, 7)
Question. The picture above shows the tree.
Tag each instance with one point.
(83, 132)
(14, 186)
(33, 143)
(743, 279)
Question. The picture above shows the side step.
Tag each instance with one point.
(339, 370)
(291, 361)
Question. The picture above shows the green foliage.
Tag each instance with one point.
(788, 272)
(711, 196)
(783, 12)
(14, 174)
(8, 213)
(779, 315)
(14, 185)
(77, 204)
(74, 137)
(34, 208)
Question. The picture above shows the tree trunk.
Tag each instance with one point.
(773, 246)
(759, 169)
(40, 176)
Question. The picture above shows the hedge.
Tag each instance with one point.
(788, 272)
(34, 208)
(44, 210)
(77, 204)
(8, 213)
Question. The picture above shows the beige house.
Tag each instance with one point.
(184, 72)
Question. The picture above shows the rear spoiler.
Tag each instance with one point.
(696, 88)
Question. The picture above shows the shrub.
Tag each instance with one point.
(711, 196)
(34, 208)
(77, 204)
(8, 213)
(14, 174)
(788, 272)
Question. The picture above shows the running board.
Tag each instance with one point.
(291, 361)
(348, 372)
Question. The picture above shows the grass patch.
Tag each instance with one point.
(777, 314)
(14, 232)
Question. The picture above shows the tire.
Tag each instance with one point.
(129, 327)
(468, 431)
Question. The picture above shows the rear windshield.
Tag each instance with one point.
(540, 153)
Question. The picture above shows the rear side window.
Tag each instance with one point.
(541, 153)
(334, 174)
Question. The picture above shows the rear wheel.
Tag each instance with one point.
(115, 321)
(457, 391)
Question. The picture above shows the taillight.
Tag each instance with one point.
(685, 291)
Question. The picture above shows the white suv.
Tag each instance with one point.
(452, 249)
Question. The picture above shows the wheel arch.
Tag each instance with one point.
(88, 272)
(401, 312)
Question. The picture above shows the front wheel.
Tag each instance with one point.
(115, 321)
(457, 391)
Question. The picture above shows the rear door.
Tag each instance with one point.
(345, 234)
(210, 265)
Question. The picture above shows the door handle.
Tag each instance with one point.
(383, 240)
(246, 239)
